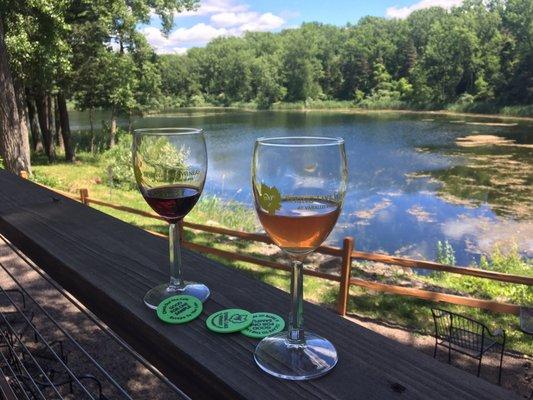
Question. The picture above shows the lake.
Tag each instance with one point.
(414, 179)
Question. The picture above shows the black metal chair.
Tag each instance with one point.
(466, 336)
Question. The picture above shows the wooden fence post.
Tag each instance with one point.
(84, 194)
(23, 174)
(346, 270)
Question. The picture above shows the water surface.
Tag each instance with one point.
(414, 180)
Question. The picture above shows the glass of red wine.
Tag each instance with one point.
(170, 166)
(298, 185)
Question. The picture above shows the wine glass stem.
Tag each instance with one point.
(175, 255)
(296, 319)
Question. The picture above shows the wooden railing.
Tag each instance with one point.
(347, 254)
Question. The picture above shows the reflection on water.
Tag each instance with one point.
(413, 180)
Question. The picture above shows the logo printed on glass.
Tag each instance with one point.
(269, 198)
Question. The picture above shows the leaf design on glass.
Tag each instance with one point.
(269, 198)
(137, 170)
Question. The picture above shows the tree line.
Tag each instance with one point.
(90, 52)
(479, 51)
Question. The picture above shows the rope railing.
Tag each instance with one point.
(346, 253)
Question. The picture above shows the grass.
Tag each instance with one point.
(486, 108)
(89, 172)
(415, 313)
(314, 105)
(493, 108)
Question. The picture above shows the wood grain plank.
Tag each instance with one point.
(108, 265)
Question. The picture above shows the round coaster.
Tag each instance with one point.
(179, 309)
(264, 324)
(229, 321)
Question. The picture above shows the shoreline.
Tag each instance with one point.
(368, 111)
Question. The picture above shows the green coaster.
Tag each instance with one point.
(229, 321)
(179, 309)
(264, 324)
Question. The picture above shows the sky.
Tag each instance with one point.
(216, 18)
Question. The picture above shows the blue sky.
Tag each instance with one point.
(216, 18)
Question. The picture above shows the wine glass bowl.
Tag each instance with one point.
(298, 185)
(170, 166)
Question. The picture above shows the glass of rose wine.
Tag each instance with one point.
(170, 166)
(298, 185)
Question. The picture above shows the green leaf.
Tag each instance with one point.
(269, 198)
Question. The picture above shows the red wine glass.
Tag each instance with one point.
(170, 166)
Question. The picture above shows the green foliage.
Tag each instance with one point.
(465, 99)
(301, 66)
(45, 179)
(509, 262)
(518, 110)
(491, 107)
(118, 170)
(268, 88)
(358, 96)
(475, 56)
(161, 161)
(227, 213)
(445, 253)
(434, 58)
(36, 35)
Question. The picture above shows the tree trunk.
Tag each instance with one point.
(50, 114)
(36, 143)
(91, 117)
(57, 126)
(41, 101)
(113, 128)
(20, 93)
(14, 141)
(65, 127)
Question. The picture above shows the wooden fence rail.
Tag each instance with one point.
(347, 255)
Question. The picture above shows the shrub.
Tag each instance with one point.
(118, 164)
(163, 163)
(197, 100)
(358, 96)
(465, 98)
(445, 253)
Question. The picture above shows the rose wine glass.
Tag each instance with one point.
(298, 185)
(170, 166)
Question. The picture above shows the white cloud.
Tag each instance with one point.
(231, 18)
(247, 21)
(197, 34)
(182, 38)
(263, 22)
(208, 7)
(222, 18)
(403, 12)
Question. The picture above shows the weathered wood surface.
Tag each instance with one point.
(108, 265)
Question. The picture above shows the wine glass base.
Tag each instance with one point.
(156, 295)
(283, 359)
